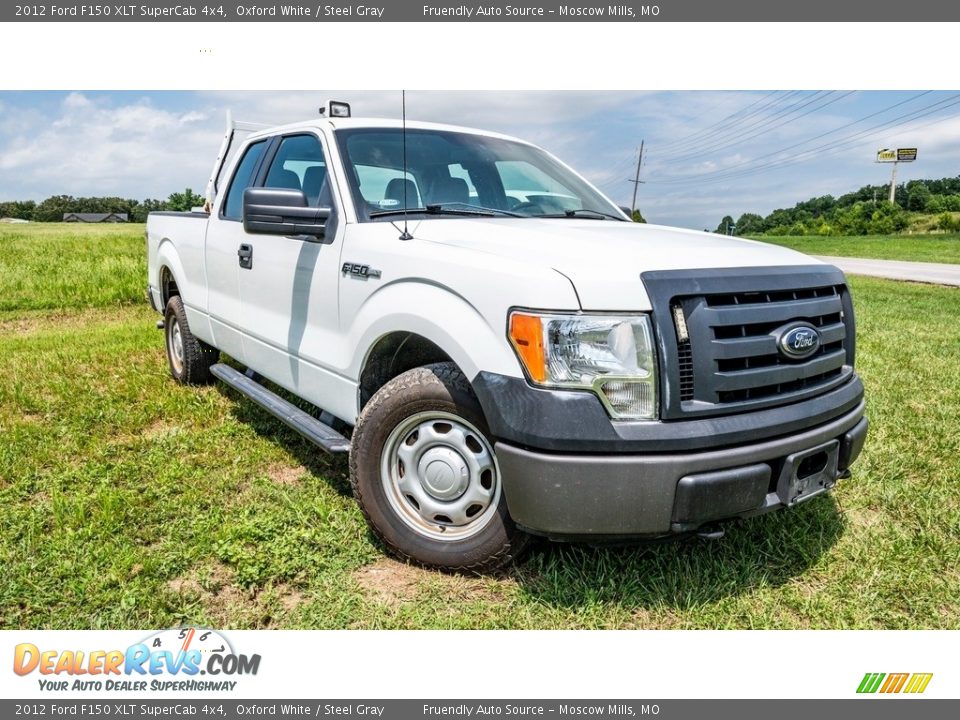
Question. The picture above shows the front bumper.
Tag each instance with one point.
(618, 494)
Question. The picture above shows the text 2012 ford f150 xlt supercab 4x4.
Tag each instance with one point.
(512, 354)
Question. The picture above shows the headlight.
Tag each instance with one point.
(611, 355)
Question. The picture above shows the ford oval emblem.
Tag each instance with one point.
(799, 341)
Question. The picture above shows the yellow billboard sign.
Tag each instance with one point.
(899, 155)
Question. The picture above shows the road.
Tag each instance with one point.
(936, 273)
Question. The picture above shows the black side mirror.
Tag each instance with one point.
(282, 211)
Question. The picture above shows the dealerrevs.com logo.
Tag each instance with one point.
(891, 683)
(171, 660)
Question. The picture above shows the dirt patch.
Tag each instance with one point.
(34, 321)
(864, 517)
(228, 605)
(390, 582)
(289, 597)
(394, 583)
(285, 474)
(159, 428)
(215, 589)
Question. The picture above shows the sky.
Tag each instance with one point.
(706, 153)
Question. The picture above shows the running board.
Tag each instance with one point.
(312, 429)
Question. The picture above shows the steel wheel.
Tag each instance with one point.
(440, 476)
(175, 346)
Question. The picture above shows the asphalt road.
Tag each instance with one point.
(936, 273)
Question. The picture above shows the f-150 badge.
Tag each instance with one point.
(360, 271)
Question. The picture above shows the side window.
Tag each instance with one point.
(242, 179)
(300, 165)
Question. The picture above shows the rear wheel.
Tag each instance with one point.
(190, 359)
(423, 468)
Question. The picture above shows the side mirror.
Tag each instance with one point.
(281, 211)
(626, 211)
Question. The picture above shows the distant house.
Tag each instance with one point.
(13, 221)
(95, 217)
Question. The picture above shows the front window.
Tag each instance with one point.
(461, 172)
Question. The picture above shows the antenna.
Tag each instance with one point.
(405, 235)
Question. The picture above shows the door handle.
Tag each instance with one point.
(245, 253)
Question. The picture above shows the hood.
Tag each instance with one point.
(604, 258)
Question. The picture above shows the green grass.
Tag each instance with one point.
(127, 501)
(918, 248)
(53, 266)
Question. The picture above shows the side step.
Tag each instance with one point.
(312, 429)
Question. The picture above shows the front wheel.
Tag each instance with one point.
(425, 473)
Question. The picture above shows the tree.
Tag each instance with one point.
(637, 217)
(22, 210)
(184, 201)
(918, 196)
(749, 224)
(725, 225)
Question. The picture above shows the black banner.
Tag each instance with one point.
(212, 707)
(437, 11)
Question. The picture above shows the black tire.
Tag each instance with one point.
(437, 388)
(193, 368)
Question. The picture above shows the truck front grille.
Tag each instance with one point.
(749, 365)
(726, 357)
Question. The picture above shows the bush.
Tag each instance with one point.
(948, 223)
(918, 195)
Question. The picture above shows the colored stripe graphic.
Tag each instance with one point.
(918, 682)
(870, 682)
(894, 683)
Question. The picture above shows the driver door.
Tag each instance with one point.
(288, 294)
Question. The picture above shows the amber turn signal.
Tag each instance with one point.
(526, 334)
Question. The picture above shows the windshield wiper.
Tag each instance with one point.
(463, 209)
(584, 213)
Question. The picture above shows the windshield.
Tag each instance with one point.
(460, 173)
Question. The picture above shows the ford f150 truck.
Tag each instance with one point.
(499, 348)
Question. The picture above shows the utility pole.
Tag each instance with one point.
(636, 182)
(893, 183)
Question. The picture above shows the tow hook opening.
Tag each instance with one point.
(812, 465)
(160, 325)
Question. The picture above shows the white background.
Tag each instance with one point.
(640, 664)
(491, 56)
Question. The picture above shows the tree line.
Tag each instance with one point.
(54, 208)
(866, 211)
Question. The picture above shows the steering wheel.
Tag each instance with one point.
(527, 206)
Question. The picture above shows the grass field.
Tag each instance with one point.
(918, 248)
(127, 501)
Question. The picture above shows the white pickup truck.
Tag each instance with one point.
(498, 347)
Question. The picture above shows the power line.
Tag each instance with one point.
(785, 118)
(737, 126)
(771, 111)
(722, 121)
(827, 149)
(821, 135)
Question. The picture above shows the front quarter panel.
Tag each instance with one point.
(458, 298)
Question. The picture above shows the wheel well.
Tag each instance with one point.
(393, 355)
(168, 286)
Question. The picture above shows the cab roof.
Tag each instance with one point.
(374, 123)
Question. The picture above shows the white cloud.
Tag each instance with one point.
(149, 145)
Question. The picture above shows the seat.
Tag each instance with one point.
(315, 186)
(283, 178)
(450, 190)
(396, 189)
